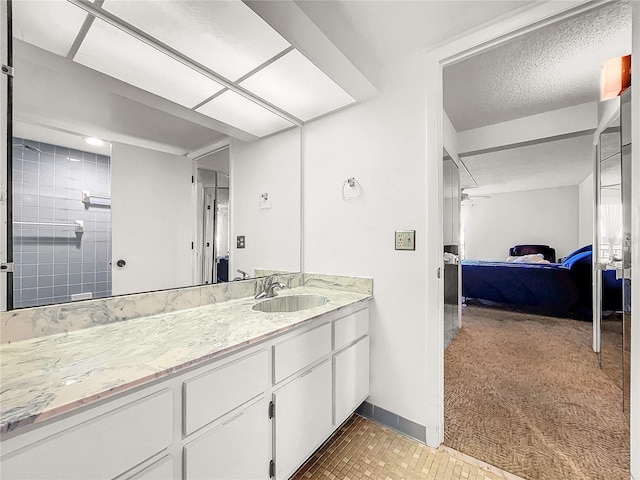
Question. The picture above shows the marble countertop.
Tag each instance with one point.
(47, 376)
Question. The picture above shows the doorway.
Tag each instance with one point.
(484, 318)
(212, 193)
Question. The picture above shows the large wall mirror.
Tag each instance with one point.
(199, 176)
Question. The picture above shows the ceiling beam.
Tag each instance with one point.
(286, 18)
(569, 121)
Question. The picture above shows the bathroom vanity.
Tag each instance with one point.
(219, 391)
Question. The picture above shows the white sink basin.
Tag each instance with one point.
(290, 303)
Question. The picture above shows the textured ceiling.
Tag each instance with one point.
(557, 163)
(553, 67)
(374, 33)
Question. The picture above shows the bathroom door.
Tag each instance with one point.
(624, 272)
(151, 224)
(612, 248)
(451, 239)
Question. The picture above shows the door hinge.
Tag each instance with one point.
(6, 267)
(192, 179)
(272, 469)
(191, 245)
(438, 272)
(7, 70)
(272, 409)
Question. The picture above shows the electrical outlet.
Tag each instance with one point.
(405, 239)
(240, 241)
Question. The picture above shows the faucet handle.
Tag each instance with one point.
(245, 275)
(271, 291)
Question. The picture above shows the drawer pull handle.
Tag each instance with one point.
(307, 373)
(232, 419)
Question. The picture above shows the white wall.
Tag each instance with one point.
(548, 217)
(272, 236)
(151, 215)
(585, 211)
(218, 161)
(381, 144)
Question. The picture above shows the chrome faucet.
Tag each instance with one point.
(269, 287)
(245, 276)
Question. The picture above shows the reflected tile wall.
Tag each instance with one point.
(53, 263)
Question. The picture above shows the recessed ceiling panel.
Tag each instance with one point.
(109, 50)
(224, 35)
(52, 25)
(297, 86)
(235, 110)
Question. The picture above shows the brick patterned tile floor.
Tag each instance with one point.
(362, 449)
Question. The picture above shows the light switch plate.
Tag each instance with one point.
(240, 241)
(405, 239)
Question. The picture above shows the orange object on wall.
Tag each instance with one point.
(616, 77)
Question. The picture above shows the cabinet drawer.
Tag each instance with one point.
(209, 396)
(100, 448)
(350, 328)
(351, 379)
(296, 353)
(237, 449)
(160, 470)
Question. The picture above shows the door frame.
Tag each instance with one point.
(505, 28)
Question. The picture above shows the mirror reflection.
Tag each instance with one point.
(191, 185)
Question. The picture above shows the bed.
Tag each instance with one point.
(556, 289)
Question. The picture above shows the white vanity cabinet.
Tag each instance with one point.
(303, 405)
(351, 379)
(239, 446)
(237, 449)
(101, 447)
(254, 414)
(302, 418)
(220, 390)
(350, 364)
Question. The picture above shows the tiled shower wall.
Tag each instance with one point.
(54, 262)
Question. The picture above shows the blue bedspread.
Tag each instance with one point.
(558, 289)
(546, 288)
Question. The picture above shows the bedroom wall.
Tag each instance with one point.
(548, 216)
(585, 211)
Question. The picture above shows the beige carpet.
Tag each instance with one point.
(525, 393)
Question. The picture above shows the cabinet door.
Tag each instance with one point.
(237, 449)
(303, 418)
(351, 379)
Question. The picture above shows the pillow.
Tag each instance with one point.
(531, 258)
(581, 258)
